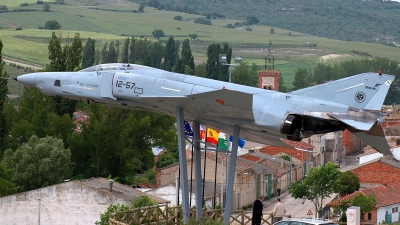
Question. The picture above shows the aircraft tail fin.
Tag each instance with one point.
(375, 138)
(364, 91)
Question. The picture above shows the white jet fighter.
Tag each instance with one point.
(264, 116)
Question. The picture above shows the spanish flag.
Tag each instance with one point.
(212, 136)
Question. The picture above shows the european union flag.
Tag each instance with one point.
(188, 129)
(241, 141)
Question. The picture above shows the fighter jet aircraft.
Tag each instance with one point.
(264, 116)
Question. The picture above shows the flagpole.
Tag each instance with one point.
(215, 175)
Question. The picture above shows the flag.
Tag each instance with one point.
(202, 133)
(222, 141)
(212, 136)
(188, 129)
(241, 141)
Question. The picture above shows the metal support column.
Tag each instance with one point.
(197, 170)
(183, 164)
(231, 174)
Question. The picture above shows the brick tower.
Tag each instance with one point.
(269, 79)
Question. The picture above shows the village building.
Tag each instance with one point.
(70, 202)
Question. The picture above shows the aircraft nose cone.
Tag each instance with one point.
(27, 79)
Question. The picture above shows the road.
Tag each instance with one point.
(296, 207)
(21, 64)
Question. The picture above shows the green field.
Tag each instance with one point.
(106, 22)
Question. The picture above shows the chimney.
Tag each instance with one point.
(110, 184)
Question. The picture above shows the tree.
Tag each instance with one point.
(104, 217)
(349, 181)
(320, 183)
(6, 186)
(193, 36)
(3, 100)
(56, 56)
(301, 79)
(46, 7)
(158, 33)
(52, 25)
(125, 51)
(282, 87)
(366, 203)
(242, 75)
(38, 163)
(89, 53)
(272, 31)
(166, 160)
(141, 7)
(170, 52)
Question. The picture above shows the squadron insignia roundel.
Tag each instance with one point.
(359, 97)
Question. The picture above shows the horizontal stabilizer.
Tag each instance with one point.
(359, 123)
(375, 138)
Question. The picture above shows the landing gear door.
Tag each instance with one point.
(106, 85)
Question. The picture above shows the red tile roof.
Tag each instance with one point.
(273, 150)
(385, 195)
(241, 164)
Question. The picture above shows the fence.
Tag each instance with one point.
(166, 215)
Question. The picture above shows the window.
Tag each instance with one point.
(57, 83)
(369, 216)
(395, 209)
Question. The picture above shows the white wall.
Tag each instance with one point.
(67, 203)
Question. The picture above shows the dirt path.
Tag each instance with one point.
(21, 64)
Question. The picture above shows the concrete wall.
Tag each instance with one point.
(66, 203)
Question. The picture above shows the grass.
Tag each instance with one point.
(30, 44)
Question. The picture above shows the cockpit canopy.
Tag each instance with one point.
(115, 66)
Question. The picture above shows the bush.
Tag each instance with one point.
(203, 21)
(18, 28)
(178, 18)
(24, 4)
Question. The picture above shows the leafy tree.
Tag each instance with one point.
(142, 201)
(73, 54)
(366, 203)
(56, 56)
(111, 209)
(141, 7)
(131, 57)
(301, 79)
(170, 54)
(349, 182)
(52, 25)
(187, 56)
(166, 160)
(112, 57)
(6, 186)
(38, 163)
(3, 100)
(46, 7)
(104, 53)
(193, 36)
(282, 87)
(200, 70)
(103, 155)
(272, 31)
(154, 56)
(89, 53)
(158, 33)
(320, 183)
(242, 75)
(125, 51)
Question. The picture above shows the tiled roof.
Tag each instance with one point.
(385, 195)
(242, 165)
(273, 150)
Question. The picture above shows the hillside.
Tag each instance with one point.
(351, 20)
(115, 20)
